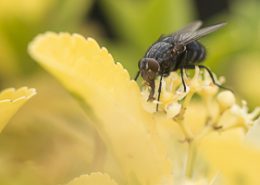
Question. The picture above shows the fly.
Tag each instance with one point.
(177, 51)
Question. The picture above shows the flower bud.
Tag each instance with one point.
(225, 100)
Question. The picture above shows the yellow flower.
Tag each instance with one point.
(149, 147)
(11, 100)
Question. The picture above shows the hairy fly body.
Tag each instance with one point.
(179, 50)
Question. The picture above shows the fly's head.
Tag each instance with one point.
(149, 69)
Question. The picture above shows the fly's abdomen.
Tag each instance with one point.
(195, 53)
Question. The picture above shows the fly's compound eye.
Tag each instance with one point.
(149, 69)
(149, 64)
(153, 65)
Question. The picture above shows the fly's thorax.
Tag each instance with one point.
(160, 51)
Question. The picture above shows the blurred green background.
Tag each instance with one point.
(49, 141)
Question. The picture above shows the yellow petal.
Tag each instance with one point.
(110, 98)
(10, 101)
(232, 157)
(93, 179)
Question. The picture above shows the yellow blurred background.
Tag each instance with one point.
(50, 140)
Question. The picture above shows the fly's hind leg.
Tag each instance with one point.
(210, 74)
(212, 78)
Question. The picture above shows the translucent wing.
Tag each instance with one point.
(189, 28)
(185, 37)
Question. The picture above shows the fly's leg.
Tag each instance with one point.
(210, 74)
(182, 67)
(159, 93)
(212, 78)
(182, 79)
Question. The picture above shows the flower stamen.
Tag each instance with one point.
(219, 107)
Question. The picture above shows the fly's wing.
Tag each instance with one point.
(187, 29)
(186, 37)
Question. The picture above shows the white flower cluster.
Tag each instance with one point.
(174, 100)
(173, 94)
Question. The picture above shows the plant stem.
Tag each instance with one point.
(190, 160)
